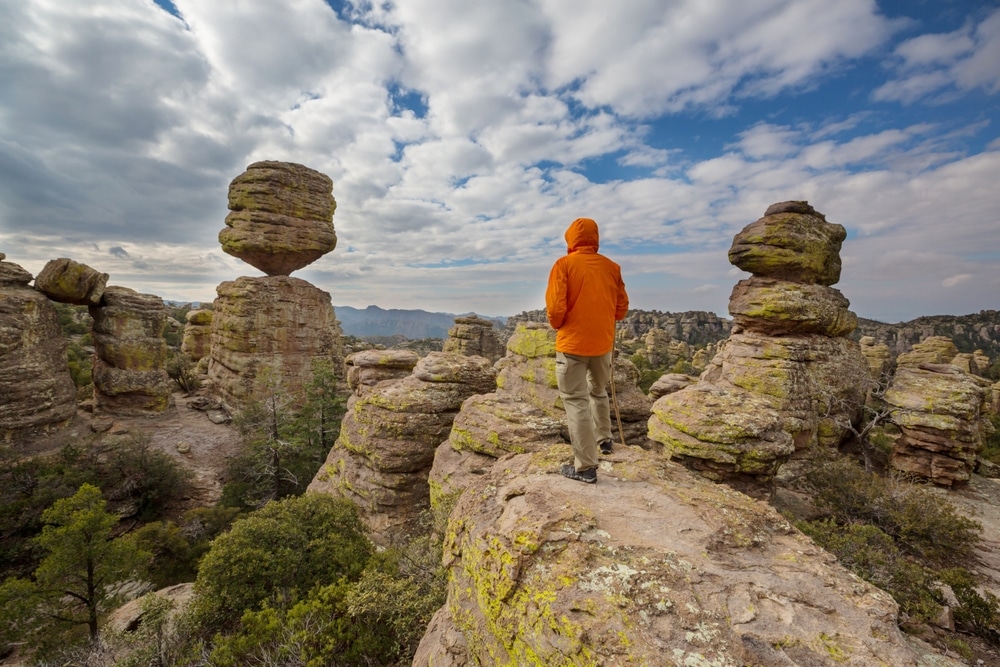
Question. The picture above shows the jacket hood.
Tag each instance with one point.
(582, 233)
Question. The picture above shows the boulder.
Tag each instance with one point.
(66, 281)
(197, 341)
(388, 437)
(278, 322)
(793, 243)
(369, 367)
(778, 307)
(130, 353)
(651, 566)
(877, 355)
(669, 383)
(35, 383)
(473, 336)
(281, 217)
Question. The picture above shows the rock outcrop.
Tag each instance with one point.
(388, 437)
(787, 379)
(197, 341)
(66, 281)
(878, 356)
(652, 566)
(278, 322)
(35, 384)
(524, 414)
(941, 411)
(282, 217)
(474, 336)
(130, 353)
(367, 368)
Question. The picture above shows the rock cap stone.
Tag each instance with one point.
(68, 281)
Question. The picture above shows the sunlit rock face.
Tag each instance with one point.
(651, 566)
(36, 390)
(281, 217)
(787, 379)
(524, 413)
(130, 353)
(942, 412)
(474, 336)
(389, 434)
(67, 281)
(278, 322)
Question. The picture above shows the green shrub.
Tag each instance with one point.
(977, 612)
(991, 448)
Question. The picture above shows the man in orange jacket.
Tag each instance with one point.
(584, 298)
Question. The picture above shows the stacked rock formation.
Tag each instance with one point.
(197, 341)
(474, 336)
(878, 356)
(130, 353)
(67, 281)
(652, 566)
(281, 220)
(524, 414)
(369, 367)
(37, 390)
(787, 379)
(941, 411)
(388, 436)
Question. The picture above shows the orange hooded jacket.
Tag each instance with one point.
(585, 294)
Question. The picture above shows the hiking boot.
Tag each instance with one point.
(588, 476)
(606, 447)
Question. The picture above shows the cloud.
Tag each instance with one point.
(118, 251)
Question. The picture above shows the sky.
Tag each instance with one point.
(463, 136)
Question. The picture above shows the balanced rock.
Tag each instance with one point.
(473, 336)
(130, 353)
(369, 367)
(787, 379)
(524, 414)
(942, 413)
(278, 322)
(388, 436)
(668, 383)
(791, 242)
(281, 217)
(652, 566)
(35, 383)
(197, 341)
(66, 281)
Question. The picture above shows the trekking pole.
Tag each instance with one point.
(614, 396)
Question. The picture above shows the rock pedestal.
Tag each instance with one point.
(278, 322)
(130, 353)
(197, 341)
(941, 411)
(787, 379)
(35, 385)
(388, 436)
(474, 336)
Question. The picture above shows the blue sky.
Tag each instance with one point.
(463, 136)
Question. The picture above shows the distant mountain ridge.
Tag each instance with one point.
(412, 324)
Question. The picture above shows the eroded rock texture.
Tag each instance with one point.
(942, 413)
(36, 390)
(369, 367)
(524, 414)
(651, 566)
(66, 281)
(130, 353)
(787, 379)
(278, 322)
(281, 217)
(474, 336)
(388, 436)
(197, 341)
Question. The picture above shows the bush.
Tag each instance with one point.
(976, 613)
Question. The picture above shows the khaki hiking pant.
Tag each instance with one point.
(583, 385)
